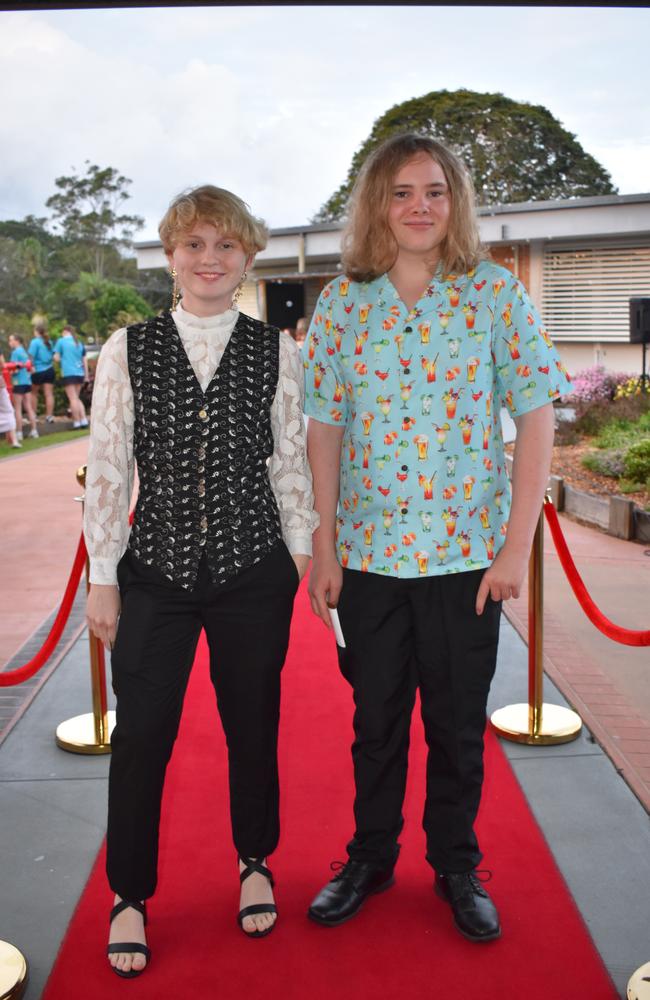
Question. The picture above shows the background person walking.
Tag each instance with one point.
(71, 354)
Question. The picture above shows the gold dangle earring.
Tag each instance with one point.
(176, 292)
(239, 289)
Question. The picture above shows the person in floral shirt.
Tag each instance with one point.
(410, 357)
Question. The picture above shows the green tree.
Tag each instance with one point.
(87, 210)
(118, 305)
(514, 151)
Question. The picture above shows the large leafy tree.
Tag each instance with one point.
(88, 211)
(514, 151)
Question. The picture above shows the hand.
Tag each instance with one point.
(325, 582)
(503, 579)
(102, 612)
(302, 563)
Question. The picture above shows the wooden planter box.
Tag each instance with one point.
(617, 516)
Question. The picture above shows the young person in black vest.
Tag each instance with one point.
(208, 403)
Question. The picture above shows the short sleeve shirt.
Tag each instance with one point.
(71, 353)
(40, 354)
(21, 376)
(424, 488)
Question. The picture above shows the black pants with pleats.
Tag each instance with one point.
(246, 620)
(401, 636)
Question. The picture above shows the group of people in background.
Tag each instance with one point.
(32, 370)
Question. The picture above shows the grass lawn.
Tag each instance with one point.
(31, 444)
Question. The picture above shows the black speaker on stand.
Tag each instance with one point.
(640, 327)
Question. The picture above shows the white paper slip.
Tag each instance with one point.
(336, 625)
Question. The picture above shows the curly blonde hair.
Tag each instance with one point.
(369, 247)
(221, 209)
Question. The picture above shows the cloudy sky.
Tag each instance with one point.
(272, 102)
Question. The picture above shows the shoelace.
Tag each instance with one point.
(476, 880)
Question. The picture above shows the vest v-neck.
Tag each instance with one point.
(181, 345)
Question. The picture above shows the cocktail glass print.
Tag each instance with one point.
(484, 516)
(442, 430)
(368, 532)
(421, 441)
(345, 548)
(463, 539)
(472, 368)
(450, 517)
(405, 390)
(387, 520)
(385, 403)
(470, 310)
(443, 318)
(423, 561)
(489, 546)
(429, 366)
(366, 422)
(450, 398)
(403, 507)
(468, 487)
(453, 346)
(426, 482)
(424, 329)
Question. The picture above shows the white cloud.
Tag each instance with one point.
(273, 101)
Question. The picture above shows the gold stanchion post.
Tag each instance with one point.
(13, 972)
(90, 733)
(536, 722)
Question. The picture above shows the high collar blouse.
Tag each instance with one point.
(111, 468)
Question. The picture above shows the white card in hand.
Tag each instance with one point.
(336, 625)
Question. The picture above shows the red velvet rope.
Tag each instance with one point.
(21, 674)
(625, 636)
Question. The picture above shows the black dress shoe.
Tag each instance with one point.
(344, 896)
(475, 915)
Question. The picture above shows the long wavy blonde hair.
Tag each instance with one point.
(369, 247)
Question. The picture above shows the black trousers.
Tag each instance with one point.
(402, 635)
(246, 620)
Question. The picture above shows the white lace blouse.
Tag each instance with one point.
(111, 467)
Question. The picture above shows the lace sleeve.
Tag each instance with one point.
(109, 475)
(289, 472)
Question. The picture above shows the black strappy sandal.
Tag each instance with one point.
(132, 946)
(249, 911)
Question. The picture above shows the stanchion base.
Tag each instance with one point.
(13, 972)
(78, 735)
(638, 987)
(559, 725)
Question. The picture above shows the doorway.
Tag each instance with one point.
(285, 303)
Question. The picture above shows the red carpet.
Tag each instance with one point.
(402, 945)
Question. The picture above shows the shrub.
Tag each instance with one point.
(608, 463)
(633, 386)
(594, 385)
(637, 461)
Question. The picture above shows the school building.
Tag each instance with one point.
(582, 260)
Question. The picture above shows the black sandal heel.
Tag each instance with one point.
(132, 946)
(249, 911)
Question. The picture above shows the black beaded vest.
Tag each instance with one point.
(202, 456)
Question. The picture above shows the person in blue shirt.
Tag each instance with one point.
(71, 354)
(21, 386)
(41, 352)
(411, 354)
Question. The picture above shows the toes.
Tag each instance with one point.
(138, 962)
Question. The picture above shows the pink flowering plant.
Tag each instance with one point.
(594, 385)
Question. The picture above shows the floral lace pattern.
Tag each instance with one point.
(111, 470)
